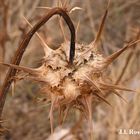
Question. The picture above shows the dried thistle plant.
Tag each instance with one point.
(70, 78)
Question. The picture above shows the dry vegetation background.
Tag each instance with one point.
(28, 119)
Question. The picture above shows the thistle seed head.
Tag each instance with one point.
(69, 83)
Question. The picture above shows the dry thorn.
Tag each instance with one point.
(97, 38)
(41, 7)
(74, 9)
(100, 91)
(129, 57)
(42, 41)
(22, 68)
(115, 55)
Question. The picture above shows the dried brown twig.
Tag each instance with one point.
(3, 33)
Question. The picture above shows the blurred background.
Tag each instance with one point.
(27, 119)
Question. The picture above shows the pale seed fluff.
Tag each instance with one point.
(70, 90)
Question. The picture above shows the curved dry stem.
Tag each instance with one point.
(20, 51)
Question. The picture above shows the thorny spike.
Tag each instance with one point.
(54, 99)
(75, 8)
(94, 84)
(42, 7)
(116, 93)
(60, 3)
(101, 26)
(66, 113)
(114, 89)
(102, 98)
(129, 57)
(66, 3)
(22, 68)
(117, 87)
(20, 51)
(89, 108)
(115, 55)
(43, 42)
(95, 41)
(45, 46)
